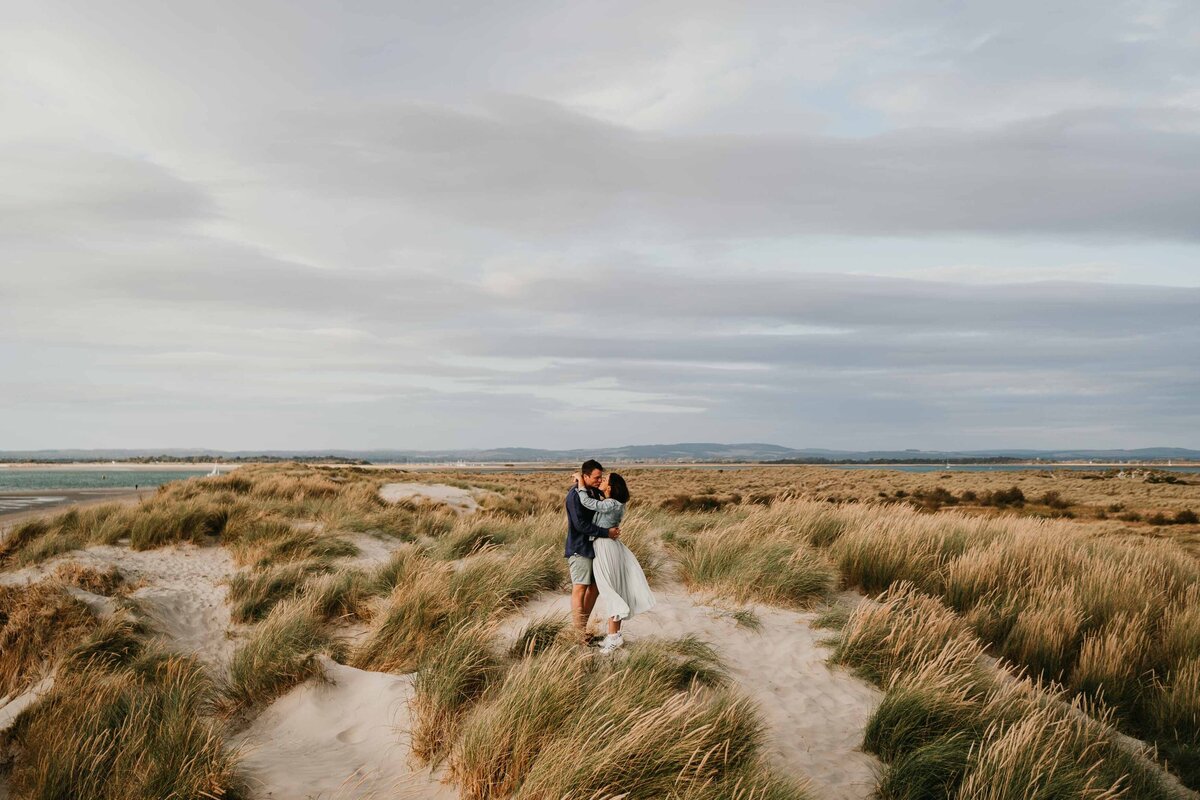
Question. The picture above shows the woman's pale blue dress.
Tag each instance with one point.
(618, 575)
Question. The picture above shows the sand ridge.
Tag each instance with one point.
(341, 737)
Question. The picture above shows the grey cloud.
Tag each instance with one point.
(545, 223)
(871, 301)
(532, 168)
(64, 189)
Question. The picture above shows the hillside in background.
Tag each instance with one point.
(688, 452)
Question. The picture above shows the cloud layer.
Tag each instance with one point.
(871, 225)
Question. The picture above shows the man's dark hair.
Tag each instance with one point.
(617, 488)
(590, 466)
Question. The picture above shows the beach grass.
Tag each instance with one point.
(961, 728)
(252, 594)
(123, 720)
(279, 654)
(450, 679)
(659, 723)
(751, 561)
(38, 623)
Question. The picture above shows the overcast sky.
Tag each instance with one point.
(841, 224)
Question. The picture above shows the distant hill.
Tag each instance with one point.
(687, 452)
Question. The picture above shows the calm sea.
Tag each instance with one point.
(17, 480)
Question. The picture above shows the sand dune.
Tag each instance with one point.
(342, 738)
(346, 737)
(183, 594)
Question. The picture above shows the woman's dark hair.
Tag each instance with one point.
(617, 488)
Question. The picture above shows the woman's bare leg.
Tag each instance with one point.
(614, 625)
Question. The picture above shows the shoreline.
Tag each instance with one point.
(126, 466)
(71, 498)
(175, 466)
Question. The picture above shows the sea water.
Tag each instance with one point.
(32, 480)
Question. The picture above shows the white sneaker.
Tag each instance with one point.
(611, 642)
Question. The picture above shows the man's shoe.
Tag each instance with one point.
(612, 642)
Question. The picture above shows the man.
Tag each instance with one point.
(579, 551)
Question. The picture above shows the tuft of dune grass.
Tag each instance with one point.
(104, 581)
(748, 561)
(264, 541)
(747, 618)
(345, 594)
(451, 677)
(410, 622)
(38, 623)
(538, 636)
(952, 726)
(473, 534)
(657, 723)
(123, 720)
(500, 740)
(403, 563)
(280, 653)
(169, 523)
(252, 595)
(421, 610)
(115, 642)
(1025, 759)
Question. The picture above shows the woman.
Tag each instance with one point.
(616, 570)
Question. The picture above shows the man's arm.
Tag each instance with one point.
(575, 513)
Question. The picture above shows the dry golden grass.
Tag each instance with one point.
(658, 723)
(280, 653)
(451, 678)
(760, 558)
(38, 623)
(950, 725)
(107, 581)
(114, 732)
(420, 611)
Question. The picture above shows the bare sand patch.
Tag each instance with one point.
(461, 500)
(183, 594)
(815, 714)
(12, 706)
(372, 550)
(342, 738)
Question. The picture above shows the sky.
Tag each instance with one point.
(850, 224)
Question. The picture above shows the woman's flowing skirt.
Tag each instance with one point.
(619, 577)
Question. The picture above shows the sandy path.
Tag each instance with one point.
(461, 500)
(346, 737)
(815, 715)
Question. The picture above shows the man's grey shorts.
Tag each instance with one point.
(581, 569)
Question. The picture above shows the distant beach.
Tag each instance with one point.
(28, 489)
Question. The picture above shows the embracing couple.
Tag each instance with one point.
(600, 563)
